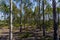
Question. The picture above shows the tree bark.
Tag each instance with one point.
(43, 18)
(10, 22)
(55, 25)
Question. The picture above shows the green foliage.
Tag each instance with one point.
(25, 35)
(29, 16)
(58, 0)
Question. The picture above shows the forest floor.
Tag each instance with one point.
(36, 34)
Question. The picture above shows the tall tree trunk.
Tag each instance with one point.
(21, 16)
(43, 18)
(10, 31)
(39, 15)
(55, 20)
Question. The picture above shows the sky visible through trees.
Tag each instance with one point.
(17, 4)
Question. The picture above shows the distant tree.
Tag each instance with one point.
(58, 10)
(21, 16)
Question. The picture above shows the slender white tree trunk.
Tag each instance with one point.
(11, 26)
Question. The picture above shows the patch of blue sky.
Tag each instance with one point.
(1, 16)
(7, 2)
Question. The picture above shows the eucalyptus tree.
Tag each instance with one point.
(39, 15)
(43, 18)
(20, 16)
(55, 26)
(58, 13)
(44, 11)
(58, 9)
(10, 22)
